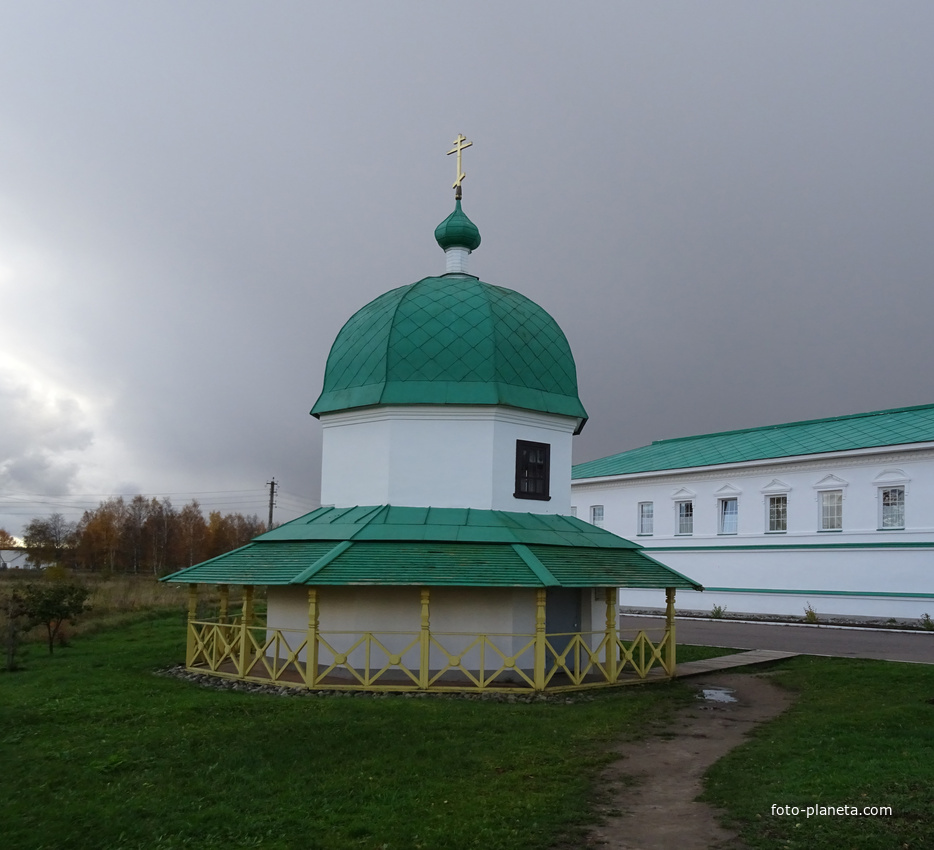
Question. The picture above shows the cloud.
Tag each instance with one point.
(725, 208)
(44, 427)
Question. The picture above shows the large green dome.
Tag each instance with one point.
(451, 340)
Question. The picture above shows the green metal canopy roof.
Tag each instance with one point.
(455, 525)
(451, 340)
(386, 545)
(894, 427)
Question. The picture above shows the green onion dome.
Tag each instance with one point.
(458, 231)
(451, 340)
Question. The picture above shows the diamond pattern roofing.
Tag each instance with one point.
(456, 525)
(451, 340)
(386, 545)
(841, 433)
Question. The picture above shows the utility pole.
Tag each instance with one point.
(272, 500)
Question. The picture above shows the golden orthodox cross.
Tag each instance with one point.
(459, 144)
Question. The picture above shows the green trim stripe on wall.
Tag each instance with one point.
(781, 547)
(886, 593)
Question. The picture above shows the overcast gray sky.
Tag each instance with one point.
(725, 205)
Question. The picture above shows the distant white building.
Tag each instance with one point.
(12, 559)
(836, 514)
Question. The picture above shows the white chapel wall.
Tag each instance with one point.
(355, 462)
(442, 456)
(556, 431)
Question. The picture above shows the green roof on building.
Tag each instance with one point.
(387, 545)
(879, 428)
(451, 340)
(455, 525)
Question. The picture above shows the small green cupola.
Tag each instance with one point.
(458, 236)
(458, 231)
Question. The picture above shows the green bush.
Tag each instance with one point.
(51, 605)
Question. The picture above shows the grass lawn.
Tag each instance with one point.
(861, 733)
(97, 752)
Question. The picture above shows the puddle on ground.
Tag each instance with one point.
(717, 695)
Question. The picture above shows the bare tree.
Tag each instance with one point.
(48, 540)
(134, 522)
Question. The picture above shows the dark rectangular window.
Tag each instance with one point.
(533, 470)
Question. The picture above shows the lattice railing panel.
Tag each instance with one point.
(276, 652)
(572, 654)
(640, 654)
(215, 644)
(375, 660)
(492, 661)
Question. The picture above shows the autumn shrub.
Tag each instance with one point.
(51, 604)
(43, 606)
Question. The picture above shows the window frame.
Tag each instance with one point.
(822, 527)
(882, 507)
(722, 516)
(525, 464)
(593, 516)
(769, 516)
(641, 516)
(680, 516)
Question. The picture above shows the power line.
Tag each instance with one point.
(156, 494)
(296, 496)
(248, 501)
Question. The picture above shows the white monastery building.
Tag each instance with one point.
(832, 514)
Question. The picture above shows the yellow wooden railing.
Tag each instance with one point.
(406, 661)
(491, 662)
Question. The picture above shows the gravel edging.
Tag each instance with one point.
(220, 683)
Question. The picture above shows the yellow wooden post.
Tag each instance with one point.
(311, 643)
(248, 604)
(424, 640)
(538, 674)
(225, 602)
(612, 650)
(246, 622)
(221, 634)
(671, 652)
(192, 614)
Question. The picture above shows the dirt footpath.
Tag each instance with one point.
(658, 810)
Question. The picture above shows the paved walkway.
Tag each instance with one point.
(725, 662)
(801, 639)
(649, 799)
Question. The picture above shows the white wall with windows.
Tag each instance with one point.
(445, 456)
(846, 532)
